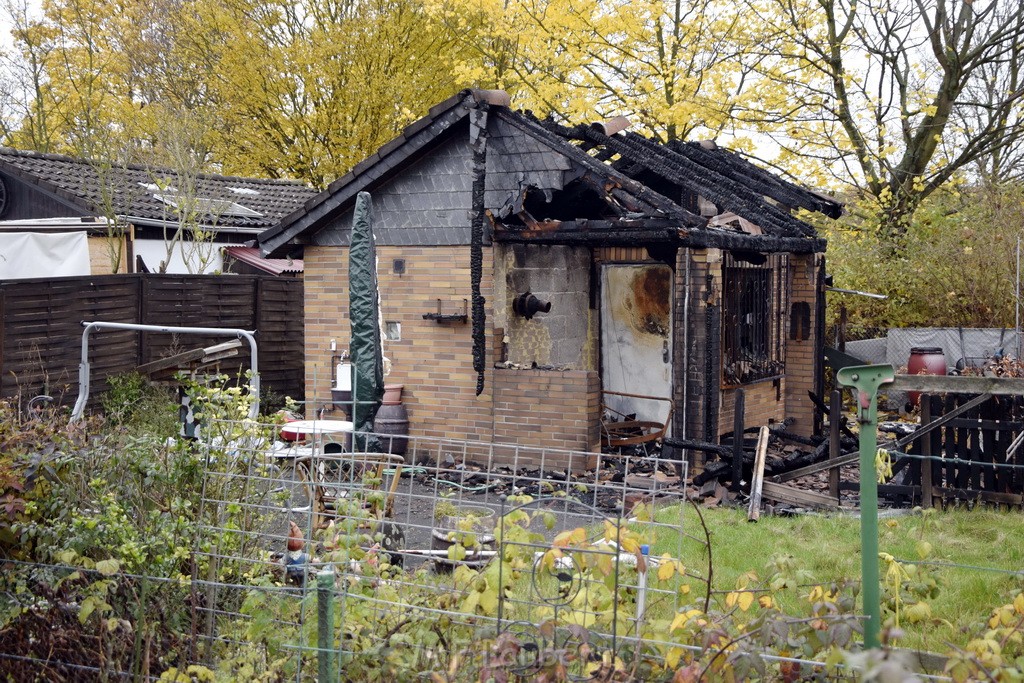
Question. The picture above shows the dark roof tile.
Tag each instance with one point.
(133, 190)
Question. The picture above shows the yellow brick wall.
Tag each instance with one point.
(101, 248)
(434, 361)
(548, 409)
(764, 402)
(800, 360)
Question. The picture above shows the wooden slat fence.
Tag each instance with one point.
(41, 330)
(969, 455)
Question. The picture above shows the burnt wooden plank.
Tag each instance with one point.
(963, 452)
(987, 424)
(968, 495)
(927, 448)
(794, 496)
(949, 444)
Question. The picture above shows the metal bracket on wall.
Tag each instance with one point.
(440, 317)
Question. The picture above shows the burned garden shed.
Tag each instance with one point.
(534, 275)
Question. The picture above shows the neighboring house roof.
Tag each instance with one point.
(275, 266)
(150, 196)
(639, 186)
(91, 224)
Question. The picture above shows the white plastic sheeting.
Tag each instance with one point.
(26, 255)
(968, 346)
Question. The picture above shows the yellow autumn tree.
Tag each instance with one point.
(677, 69)
(306, 89)
(284, 88)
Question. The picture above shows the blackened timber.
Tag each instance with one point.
(725, 192)
(657, 202)
(609, 238)
(714, 470)
(722, 191)
(720, 239)
(780, 431)
(735, 166)
(615, 233)
(691, 445)
(478, 141)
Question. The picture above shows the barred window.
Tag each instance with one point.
(752, 330)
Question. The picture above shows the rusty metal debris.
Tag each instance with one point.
(621, 431)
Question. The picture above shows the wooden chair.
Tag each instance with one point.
(336, 476)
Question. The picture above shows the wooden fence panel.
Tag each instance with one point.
(972, 451)
(279, 317)
(41, 327)
(43, 331)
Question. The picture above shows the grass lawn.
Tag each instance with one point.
(828, 548)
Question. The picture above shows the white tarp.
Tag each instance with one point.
(968, 346)
(26, 255)
(963, 346)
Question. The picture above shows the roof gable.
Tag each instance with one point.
(414, 141)
(151, 195)
(539, 173)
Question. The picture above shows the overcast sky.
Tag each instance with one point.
(35, 7)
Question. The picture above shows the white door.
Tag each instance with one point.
(636, 338)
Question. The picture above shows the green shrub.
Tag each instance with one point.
(134, 402)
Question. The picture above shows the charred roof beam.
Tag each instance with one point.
(642, 193)
(735, 165)
(722, 191)
(687, 173)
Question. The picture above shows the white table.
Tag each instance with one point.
(317, 427)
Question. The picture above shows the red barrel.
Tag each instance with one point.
(925, 361)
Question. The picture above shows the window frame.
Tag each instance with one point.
(755, 302)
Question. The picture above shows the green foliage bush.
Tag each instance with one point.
(955, 267)
(132, 401)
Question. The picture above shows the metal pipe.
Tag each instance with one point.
(866, 380)
(325, 625)
(641, 590)
(83, 367)
(870, 295)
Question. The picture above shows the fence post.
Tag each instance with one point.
(835, 446)
(325, 626)
(738, 424)
(140, 316)
(926, 452)
(866, 379)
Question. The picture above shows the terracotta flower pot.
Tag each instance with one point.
(393, 394)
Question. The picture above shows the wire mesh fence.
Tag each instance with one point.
(314, 561)
(493, 538)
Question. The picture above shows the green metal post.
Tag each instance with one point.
(325, 626)
(865, 380)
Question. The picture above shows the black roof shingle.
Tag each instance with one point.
(133, 191)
